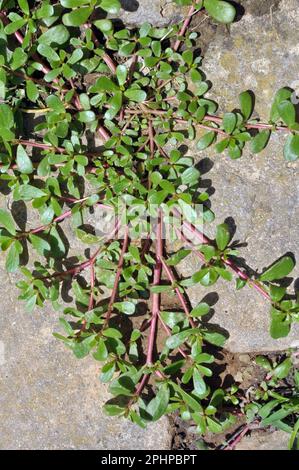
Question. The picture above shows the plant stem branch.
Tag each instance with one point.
(184, 27)
(168, 332)
(179, 294)
(117, 276)
(204, 240)
(155, 296)
(92, 283)
(238, 437)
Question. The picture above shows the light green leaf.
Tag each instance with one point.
(32, 91)
(201, 309)
(104, 25)
(218, 339)
(48, 52)
(134, 94)
(260, 141)
(221, 11)
(41, 245)
(125, 307)
(291, 148)
(26, 192)
(199, 383)
(114, 105)
(23, 161)
(111, 6)
(77, 17)
(222, 236)
(121, 74)
(206, 140)
(280, 269)
(158, 405)
(229, 122)
(86, 116)
(73, 3)
(13, 257)
(55, 35)
(101, 353)
(7, 221)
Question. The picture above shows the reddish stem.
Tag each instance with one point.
(117, 276)
(179, 294)
(92, 283)
(238, 438)
(184, 27)
(80, 267)
(203, 239)
(46, 226)
(40, 145)
(36, 80)
(182, 237)
(155, 296)
(151, 138)
(168, 332)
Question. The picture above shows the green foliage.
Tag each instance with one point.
(144, 97)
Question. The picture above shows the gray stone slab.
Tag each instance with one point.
(48, 398)
(264, 440)
(156, 12)
(257, 193)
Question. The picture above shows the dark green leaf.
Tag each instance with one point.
(246, 103)
(287, 112)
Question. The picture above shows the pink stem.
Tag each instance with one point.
(238, 438)
(182, 237)
(117, 276)
(184, 28)
(203, 126)
(92, 283)
(40, 145)
(203, 239)
(178, 292)
(20, 38)
(155, 296)
(85, 264)
(168, 332)
(151, 138)
(45, 227)
(109, 62)
(104, 133)
(245, 277)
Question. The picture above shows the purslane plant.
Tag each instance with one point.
(273, 402)
(140, 92)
